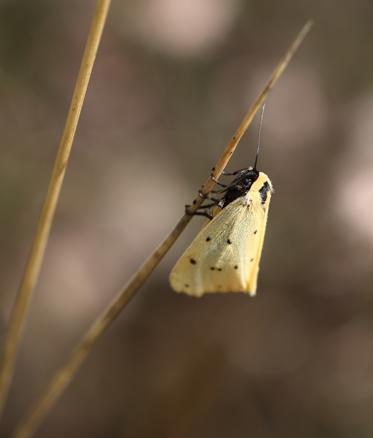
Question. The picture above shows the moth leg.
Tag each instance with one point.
(216, 181)
(219, 191)
(204, 196)
(207, 196)
(203, 213)
(212, 204)
(189, 212)
(233, 173)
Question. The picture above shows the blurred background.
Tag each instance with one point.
(171, 84)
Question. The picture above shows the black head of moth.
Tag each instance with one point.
(239, 186)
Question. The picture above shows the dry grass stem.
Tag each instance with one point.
(35, 259)
(62, 378)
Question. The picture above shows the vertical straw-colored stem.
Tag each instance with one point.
(65, 374)
(35, 259)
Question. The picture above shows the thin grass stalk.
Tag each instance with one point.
(65, 374)
(36, 255)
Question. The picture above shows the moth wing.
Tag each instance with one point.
(260, 216)
(224, 256)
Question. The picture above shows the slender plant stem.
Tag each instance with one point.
(36, 255)
(64, 376)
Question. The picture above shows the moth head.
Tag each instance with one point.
(245, 179)
(241, 184)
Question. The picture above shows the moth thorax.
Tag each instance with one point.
(240, 185)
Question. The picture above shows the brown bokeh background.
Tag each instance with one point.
(170, 85)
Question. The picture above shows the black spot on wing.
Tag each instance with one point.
(235, 267)
(208, 239)
(264, 191)
(229, 241)
(193, 262)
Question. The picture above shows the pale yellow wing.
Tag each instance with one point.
(262, 216)
(224, 256)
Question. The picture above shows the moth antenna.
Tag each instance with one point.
(259, 135)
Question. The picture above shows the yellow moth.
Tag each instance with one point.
(225, 255)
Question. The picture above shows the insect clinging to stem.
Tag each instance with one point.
(225, 254)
